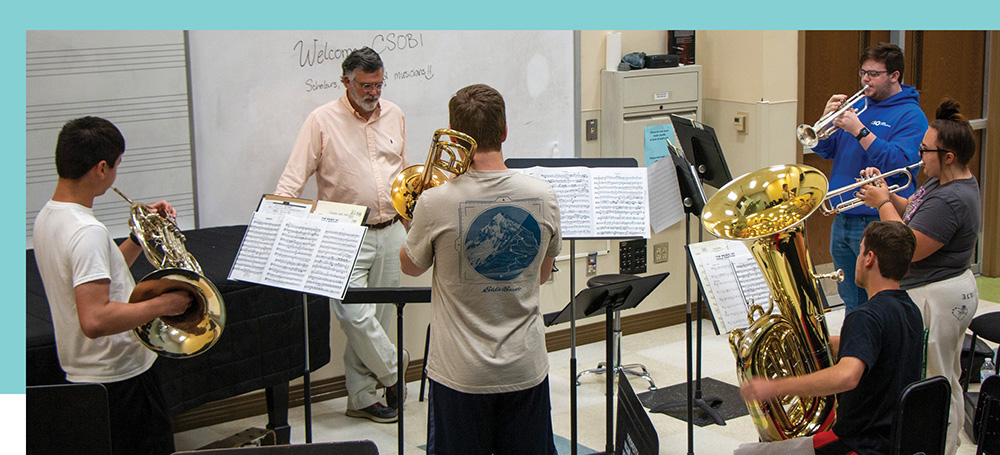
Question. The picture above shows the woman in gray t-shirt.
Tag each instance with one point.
(945, 214)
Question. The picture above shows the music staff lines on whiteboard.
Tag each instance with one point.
(141, 159)
(63, 62)
(41, 117)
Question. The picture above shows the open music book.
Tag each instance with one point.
(610, 202)
(302, 245)
(729, 277)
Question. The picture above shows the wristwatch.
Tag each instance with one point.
(861, 134)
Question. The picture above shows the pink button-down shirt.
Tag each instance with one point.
(354, 159)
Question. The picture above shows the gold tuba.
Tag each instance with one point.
(198, 328)
(413, 180)
(769, 206)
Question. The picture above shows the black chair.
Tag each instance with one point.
(987, 420)
(68, 418)
(986, 326)
(921, 421)
(322, 448)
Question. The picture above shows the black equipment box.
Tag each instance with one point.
(662, 61)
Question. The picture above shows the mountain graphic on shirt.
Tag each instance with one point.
(501, 242)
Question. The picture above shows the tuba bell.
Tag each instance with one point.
(198, 328)
(769, 206)
(413, 180)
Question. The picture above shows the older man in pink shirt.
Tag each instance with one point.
(355, 145)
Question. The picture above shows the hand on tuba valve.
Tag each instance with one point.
(453, 154)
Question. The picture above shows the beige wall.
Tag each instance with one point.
(749, 71)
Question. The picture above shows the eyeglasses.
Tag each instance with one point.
(923, 149)
(369, 87)
(871, 73)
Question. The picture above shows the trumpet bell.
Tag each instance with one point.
(407, 186)
(188, 334)
(806, 135)
(765, 202)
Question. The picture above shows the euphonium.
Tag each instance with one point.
(413, 180)
(198, 328)
(769, 206)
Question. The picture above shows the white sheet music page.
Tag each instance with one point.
(258, 242)
(665, 205)
(286, 247)
(575, 197)
(730, 277)
(621, 202)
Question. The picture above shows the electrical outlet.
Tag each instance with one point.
(660, 253)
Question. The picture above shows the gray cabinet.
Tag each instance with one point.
(631, 101)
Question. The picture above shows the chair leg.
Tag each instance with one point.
(423, 371)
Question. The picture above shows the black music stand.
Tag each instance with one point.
(635, 433)
(399, 297)
(693, 197)
(607, 299)
(517, 163)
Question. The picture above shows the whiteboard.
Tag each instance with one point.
(251, 91)
(135, 79)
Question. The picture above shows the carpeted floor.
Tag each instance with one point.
(989, 288)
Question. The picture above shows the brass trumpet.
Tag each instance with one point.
(413, 180)
(197, 329)
(809, 136)
(828, 209)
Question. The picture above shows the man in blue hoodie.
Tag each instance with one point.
(887, 135)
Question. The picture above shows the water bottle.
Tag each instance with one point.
(988, 369)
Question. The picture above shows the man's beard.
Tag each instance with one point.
(367, 103)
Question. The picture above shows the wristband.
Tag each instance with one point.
(880, 204)
(134, 238)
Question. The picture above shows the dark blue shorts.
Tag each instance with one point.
(498, 423)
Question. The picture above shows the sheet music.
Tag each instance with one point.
(336, 212)
(599, 202)
(258, 242)
(284, 206)
(621, 203)
(284, 248)
(730, 277)
(665, 205)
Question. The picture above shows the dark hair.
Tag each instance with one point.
(886, 53)
(893, 243)
(479, 111)
(364, 59)
(85, 142)
(954, 132)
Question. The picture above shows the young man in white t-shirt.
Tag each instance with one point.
(492, 235)
(87, 284)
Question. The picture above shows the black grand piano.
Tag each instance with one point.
(262, 346)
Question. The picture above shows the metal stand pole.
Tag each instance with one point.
(306, 391)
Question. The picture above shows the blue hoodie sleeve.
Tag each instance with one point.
(827, 148)
(901, 148)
